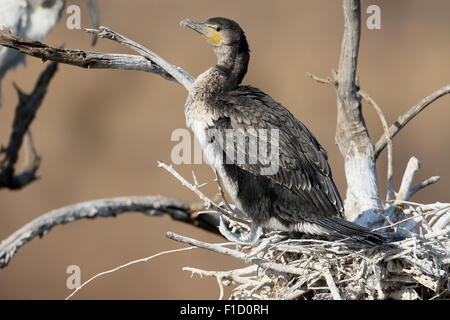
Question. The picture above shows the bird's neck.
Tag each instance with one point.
(234, 61)
(226, 75)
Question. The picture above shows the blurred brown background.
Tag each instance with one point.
(100, 132)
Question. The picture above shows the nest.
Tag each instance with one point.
(414, 268)
(410, 269)
(283, 268)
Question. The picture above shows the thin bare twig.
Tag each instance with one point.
(235, 276)
(195, 188)
(328, 80)
(403, 120)
(422, 185)
(124, 266)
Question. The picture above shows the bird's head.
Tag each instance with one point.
(217, 31)
(229, 44)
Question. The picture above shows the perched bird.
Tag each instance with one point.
(31, 20)
(300, 196)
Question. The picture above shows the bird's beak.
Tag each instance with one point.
(207, 31)
(93, 10)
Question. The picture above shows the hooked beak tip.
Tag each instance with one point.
(185, 22)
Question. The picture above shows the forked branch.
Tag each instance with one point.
(24, 115)
(146, 61)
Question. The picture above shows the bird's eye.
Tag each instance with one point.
(215, 28)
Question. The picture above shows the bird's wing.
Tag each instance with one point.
(13, 16)
(302, 162)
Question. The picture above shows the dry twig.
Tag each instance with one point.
(126, 265)
(24, 115)
(403, 120)
(149, 205)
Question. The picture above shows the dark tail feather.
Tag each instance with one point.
(344, 228)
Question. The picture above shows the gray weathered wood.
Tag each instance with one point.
(149, 205)
(352, 136)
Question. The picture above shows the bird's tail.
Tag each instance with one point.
(343, 228)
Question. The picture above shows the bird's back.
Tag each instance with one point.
(302, 186)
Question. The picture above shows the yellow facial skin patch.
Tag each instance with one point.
(214, 37)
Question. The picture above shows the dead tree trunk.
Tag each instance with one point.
(352, 136)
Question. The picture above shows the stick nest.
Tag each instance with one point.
(415, 268)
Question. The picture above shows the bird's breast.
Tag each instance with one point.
(200, 120)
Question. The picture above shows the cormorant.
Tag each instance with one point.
(32, 20)
(300, 196)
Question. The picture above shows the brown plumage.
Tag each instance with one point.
(301, 194)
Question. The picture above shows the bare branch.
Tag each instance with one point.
(442, 222)
(409, 115)
(93, 60)
(208, 202)
(423, 184)
(125, 266)
(32, 162)
(395, 212)
(331, 284)
(179, 74)
(236, 254)
(382, 117)
(149, 205)
(24, 115)
(235, 276)
(208, 246)
(328, 80)
(404, 192)
(194, 188)
(80, 58)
